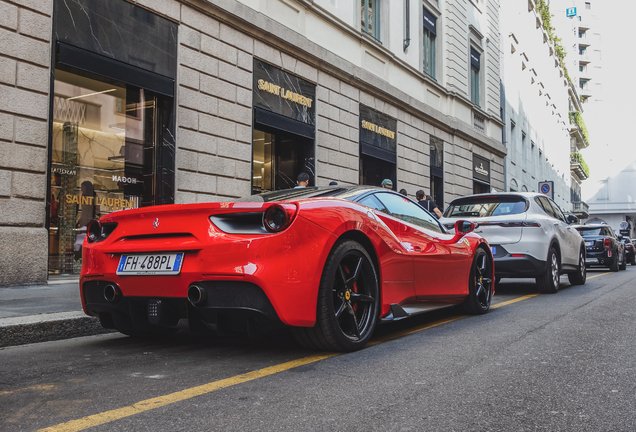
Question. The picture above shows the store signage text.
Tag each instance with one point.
(108, 202)
(480, 170)
(284, 94)
(64, 171)
(378, 129)
(121, 179)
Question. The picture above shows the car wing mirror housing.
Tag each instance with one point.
(462, 227)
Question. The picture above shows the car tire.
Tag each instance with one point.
(548, 283)
(633, 261)
(348, 301)
(614, 267)
(480, 284)
(624, 263)
(580, 276)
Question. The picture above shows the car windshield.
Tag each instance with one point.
(589, 232)
(484, 206)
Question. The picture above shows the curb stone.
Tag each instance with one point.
(48, 327)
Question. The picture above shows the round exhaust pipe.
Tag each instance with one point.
(111, 293)
(197, 295)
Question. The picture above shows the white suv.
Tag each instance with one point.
(528, 234)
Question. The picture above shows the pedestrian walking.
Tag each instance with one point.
(426, 201)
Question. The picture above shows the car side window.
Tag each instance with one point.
(372, 201)
(557, 211)
(408, 211)
(545, 205)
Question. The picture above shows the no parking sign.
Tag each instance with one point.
(547, 188)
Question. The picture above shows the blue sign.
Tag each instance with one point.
(570, 12)
(545, 188)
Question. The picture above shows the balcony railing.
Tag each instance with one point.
(580, 209)
(578, 166)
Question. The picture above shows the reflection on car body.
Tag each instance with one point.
(329, 262)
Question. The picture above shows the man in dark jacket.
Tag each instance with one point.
(427, 202)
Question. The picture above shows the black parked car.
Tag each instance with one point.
(630, 255)
(603, 247)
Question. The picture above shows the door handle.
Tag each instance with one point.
(417, 248)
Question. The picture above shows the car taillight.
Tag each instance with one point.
(278, 217)
(607, 243)
(96, 231)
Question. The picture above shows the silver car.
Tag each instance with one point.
(529, 236)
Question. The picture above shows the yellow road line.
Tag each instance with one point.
(514, 300)
(602, 274)
(149, 404)
(35, 387)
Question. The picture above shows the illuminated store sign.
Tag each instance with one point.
(284, 94)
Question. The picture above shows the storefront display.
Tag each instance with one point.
(112, 119)
(284, 129)
(378, 143)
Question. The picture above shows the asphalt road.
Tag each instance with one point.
(563, 362)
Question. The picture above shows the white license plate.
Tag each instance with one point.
(493, 249)
(589, 243)
(591, 260)
(150, 264)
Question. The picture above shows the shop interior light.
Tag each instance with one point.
(91, 94)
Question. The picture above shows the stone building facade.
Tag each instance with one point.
(111, 104)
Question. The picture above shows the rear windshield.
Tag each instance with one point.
(590, 232)
(486, 206)
(297, 193)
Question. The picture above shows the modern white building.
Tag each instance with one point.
(609, 191)
(536, 100)
(113, 104)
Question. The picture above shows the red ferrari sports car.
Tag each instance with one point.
(330, 262)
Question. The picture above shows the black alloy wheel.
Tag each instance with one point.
(580, 276)
(480, 284)
(348, 301)
(548, 283)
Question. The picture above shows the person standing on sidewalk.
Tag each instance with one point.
(426, 201)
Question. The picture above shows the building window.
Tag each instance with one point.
(475, 59)
(430, 33)
(588, 5)
(437, 170)
(370, 18)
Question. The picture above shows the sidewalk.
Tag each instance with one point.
(40, 313)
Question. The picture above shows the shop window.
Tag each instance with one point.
(277, 159)
(103, 159)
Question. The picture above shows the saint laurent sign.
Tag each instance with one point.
(277, 91)
(378, 129)
(107, 202)
(377, 134)
(285, 94)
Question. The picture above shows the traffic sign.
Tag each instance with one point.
(624, 225)
(547, 188)
(570, 12)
